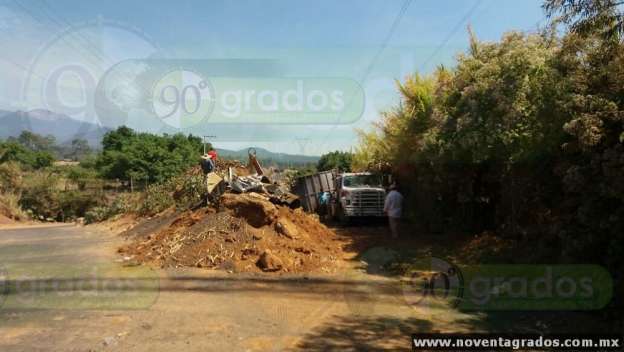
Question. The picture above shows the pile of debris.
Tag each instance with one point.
(252, 224)
(260, 184)
(222, 165)
(250, 234)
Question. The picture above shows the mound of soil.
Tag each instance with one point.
(249, 234)
(6, 216)
(5, 220)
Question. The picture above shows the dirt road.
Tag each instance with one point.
(65, 289)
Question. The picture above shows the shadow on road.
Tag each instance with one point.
(359, 333)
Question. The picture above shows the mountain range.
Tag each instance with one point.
(267, 157)
(65, 129)
(44, 122)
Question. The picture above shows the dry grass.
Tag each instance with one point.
(9, 207)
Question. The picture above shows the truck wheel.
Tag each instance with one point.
(343, 219)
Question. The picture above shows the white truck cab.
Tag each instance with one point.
(360, 194)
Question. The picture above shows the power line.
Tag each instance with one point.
(384, 43)
(102, 56)
(451, 34)
(382, 48)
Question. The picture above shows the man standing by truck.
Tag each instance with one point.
(393, 207)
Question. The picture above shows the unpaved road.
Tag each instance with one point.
(64, 289)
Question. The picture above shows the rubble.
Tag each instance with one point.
(269, 261)
(255, 225)
(277, 194)
(250, 234)
(286, 228)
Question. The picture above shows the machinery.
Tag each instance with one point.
(352, 194)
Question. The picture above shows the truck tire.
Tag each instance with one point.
(343, 219)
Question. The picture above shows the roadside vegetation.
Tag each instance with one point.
(89, 184)
(521, 141)
(138, 173)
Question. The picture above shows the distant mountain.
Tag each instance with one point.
(65, 129)
(268, 157)
(45, 122)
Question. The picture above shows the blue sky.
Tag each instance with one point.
(370, 42)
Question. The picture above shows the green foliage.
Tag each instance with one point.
(81, 176)
(189, 190)
(35, 142)
(122, 204)
(522, 137)
(604, 17)
(41, 194)
(183, 192)
(13, 151)
(521, 140)
(146, 157)
(74, 204)
(335, 160)
(304, 171)
(403, 131)
(158, 198)
(97, 214)
(47, 194)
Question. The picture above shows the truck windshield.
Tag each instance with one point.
(362, 181)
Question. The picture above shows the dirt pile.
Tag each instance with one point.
(249, 234)
(7, 215)
(4, 220)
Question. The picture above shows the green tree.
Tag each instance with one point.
(589, 16)
(335, 160)
(147, 157)
(13, 151)
(35, 142)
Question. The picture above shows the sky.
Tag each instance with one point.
(290, 76)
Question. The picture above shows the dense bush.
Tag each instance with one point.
(158, 198)
(182, 192)
(97, 214)
(41, 194)
(44, 193)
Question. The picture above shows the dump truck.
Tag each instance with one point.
(352, 194)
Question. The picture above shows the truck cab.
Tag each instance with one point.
(358, 195)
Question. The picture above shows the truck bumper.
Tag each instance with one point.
(356, 211)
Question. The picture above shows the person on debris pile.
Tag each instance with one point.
(208, 167)
(207, 164)
(393, 207)
(213, 155)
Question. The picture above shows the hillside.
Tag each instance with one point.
(65, 129)
(267, 157)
